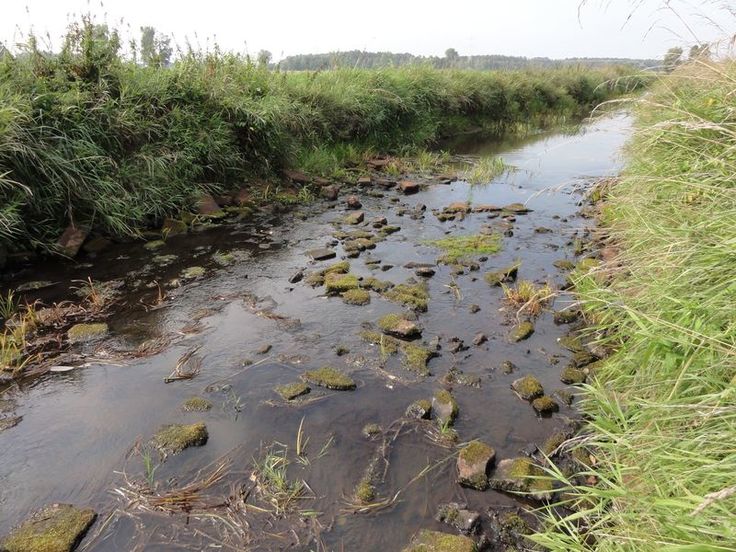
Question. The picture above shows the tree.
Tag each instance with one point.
(156, 48)
(672, 59)
(264, 58)
(699, 51)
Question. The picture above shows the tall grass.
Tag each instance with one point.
(88, 136)
(662, 409)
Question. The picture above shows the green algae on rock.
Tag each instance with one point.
(398, 326)
(522, 331)
(566, 316)
(358, 297)
(410, 294)
(55, 528)
(196, 404)
(172, 439)
(436, 541)
(374, 284)
(528, 388)
(330, 378)
(389, 345)
(545, 405)
(504, 276)
(420, 410)
(337, 283)
(572, 376)
(416, 358)
(444, 406)
(473, 463)
(291, 391)
(80, 333)
(521, 475)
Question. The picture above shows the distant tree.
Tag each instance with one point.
(672, 59)
(264, 58)
(699, 51)
(156, 48)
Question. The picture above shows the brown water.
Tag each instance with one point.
(79, 427)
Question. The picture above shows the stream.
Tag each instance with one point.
(82, 431)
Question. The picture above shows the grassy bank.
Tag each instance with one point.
(662, 408)
(88, 136)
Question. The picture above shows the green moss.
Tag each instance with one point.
(566, 316)
(459, 247)
(476, 452)
(416, 358)
(315, 279)
(564, 264)
(521, 331)
(223, 259)
(387, 230)
(586, 265)
(340, 283)
(196, 404)
(553, 442)
(435, 541)
(571, 343)
(514, 523)
(56, 528)
(505, 275)
(172, 439)
(341, 267)
(357, 297)
(528, 387)
(412, 295)
(371, 430)
(545, 405)
(330, 378)
(86, 332)
(155, 244)
(446, 406)
(291, 391)
(365, 492)
(572, 375)
(192, 272)
(389, 345)
(375, 284)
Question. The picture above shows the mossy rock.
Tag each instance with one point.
(508, 367)
(545, 405)
(374, 284)
(586, 265)
(172, 439)
(398, 326)
(358, 297)
(436, 541)
(504, 276)
(553, 442)
(522, 331)
(412, 295)
(341, 267)
(566, 316)
(365, 492)
(291, 391)
(583, 358)
(445, 406)
(420, 410)
(528, 388)
(81, 333)
(315, 279)
(196, 404)
(223, 259)
(416, 358)
(389, 345)
(330, 378)
(339, 283)
(572, 376)
(55, 528)
(473, 464)
(571, 342)
(521, 475)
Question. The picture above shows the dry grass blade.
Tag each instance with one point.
(187, 367)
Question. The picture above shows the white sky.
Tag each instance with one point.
(551, 28)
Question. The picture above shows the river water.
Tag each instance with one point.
(79, 429)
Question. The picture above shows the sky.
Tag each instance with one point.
(547, 28)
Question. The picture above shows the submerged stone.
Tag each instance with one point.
(321, 254)
(458, 516)
(410, 294)
(473, 464)
(444, 406)
(81, 333)
(416, 358)
(566, 316)
(528, 388)
(517, 208)
(521, 331)
(172, 439)
(55, 528)
(436, 541)
(330, 378)
(379, 286)
(196, 404)
(291, 391)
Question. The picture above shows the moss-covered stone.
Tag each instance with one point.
(528, 388)
(291, 391)
(566, 316)
(553, 442)
(196, 404)
(80, 333)
(521, 331)
(340, 283)
(398, 326)
(445, 406)
(358, 297)
(420, 410)
(374, 284)
(172, 439)
(572, 376)
(389, 345)
(55, 528)
(154, 244)
(571, 343)
(521, 475)
(473, 464)
(365, 492)
(508, 367)
(545, 405)
(436, 541)
(315, 279)
(330, 378)
(341, 267)
(503, 276)
(586, 265)
(412, 295)
(416, 358)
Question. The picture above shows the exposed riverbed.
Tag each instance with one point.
(255, 331)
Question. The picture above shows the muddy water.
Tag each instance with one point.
(79, 427)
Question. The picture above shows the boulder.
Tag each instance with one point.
(409, 187)
(329, 193)
(71, 240)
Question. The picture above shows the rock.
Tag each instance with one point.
(71, 240)
(263, 349)
(564, 264)
(55, 528)
(436, 541)
(330, 378)
(297, 177)
(408, 187)
(206, 205)
(566, 316)
(355, 218)
(458, 516)
(7, 423)
(444, 406)
(528, 388)
(455, 345)
(420, 410)
(521, 331)
(296, 277)
(173, 227)
(473, 464)
(458, 207)
(572, 376)
(291, 391)
(398, 326)
(479, 339)
(504, 276)
(336, 283)
(364, 181)
(96, 245)
(507, 367)
(434, 343)
(545, 405)
(424, 272)
(358, 297)
(321, 254)
(82, 333)
(508, 531)
(153, 245)
(353, 202)
(485, 208)
(329, 193)
(172, 439)
(542, 230)
(521, 475)
(474, 308)
(196, 404)
(517, 208)
(379, 222)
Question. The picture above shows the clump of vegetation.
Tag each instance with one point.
(80, 333)
(196, 404)
(410, 294)
(416, 358)
(365, 492)
(55, 528)
(172, 439)
(485, 170)
(374, 284)
(522, 331)
(340, 283)
(274, 485)
(389, 345)
(330, 378)
(357, 297)
(459, 248)
(527, 297)
(528, 387)
(291, 391)
(545, 405)
(572, 375)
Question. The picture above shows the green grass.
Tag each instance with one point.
(457, 248)
(485, 170)
(90, 137)
(662, 408)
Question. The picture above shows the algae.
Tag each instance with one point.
(330, 378)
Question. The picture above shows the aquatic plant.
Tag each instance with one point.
(457, 248)
(484, 170)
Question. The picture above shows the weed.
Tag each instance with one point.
(274, 485)
(485, 170)
(528, 298)
(459, 248)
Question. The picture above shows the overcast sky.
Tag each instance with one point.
(551, 28)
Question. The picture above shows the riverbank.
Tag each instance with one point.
(662, 408)
(91, 139)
